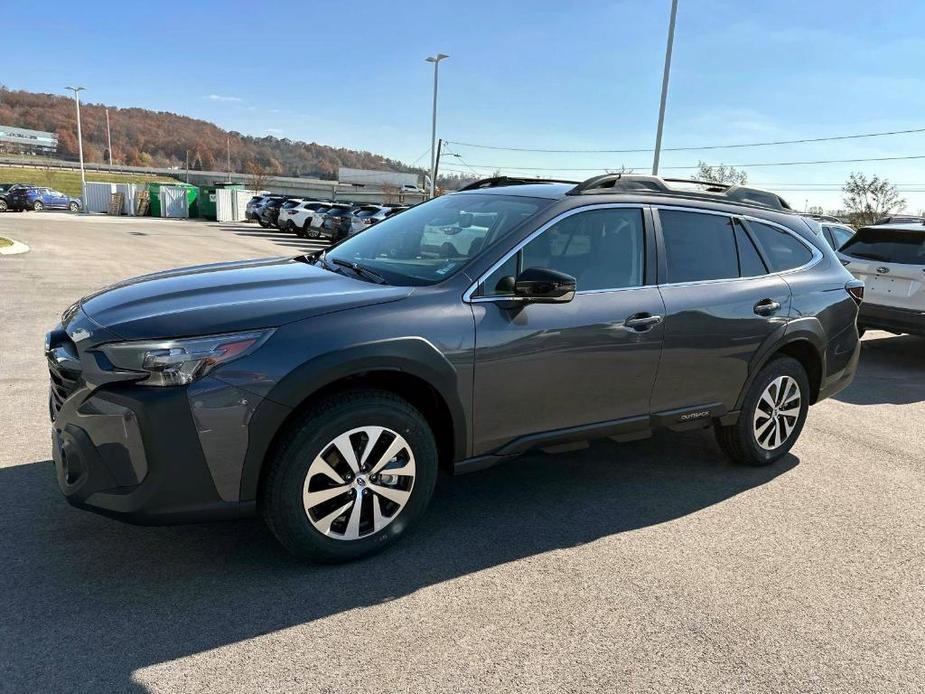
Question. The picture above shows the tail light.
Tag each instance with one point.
(856, 289)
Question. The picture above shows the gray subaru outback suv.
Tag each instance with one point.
(325, 391)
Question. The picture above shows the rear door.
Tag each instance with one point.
(891, 263)
(722, 301)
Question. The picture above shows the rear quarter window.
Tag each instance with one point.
(783, 250)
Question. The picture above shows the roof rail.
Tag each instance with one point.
(621, 182)
(496, 181)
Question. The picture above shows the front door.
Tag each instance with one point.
(545, 367)
(722, 301)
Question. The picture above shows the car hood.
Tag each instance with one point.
(226, 297)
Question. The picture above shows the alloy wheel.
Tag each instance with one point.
(777, 412)
(359, 483)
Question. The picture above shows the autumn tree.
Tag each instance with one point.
(869, 199)
(257, 176)
(720, 173)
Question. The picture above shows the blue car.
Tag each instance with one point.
(38, 198)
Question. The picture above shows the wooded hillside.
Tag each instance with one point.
(157, 138)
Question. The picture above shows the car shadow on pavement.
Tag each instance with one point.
(87, 601)
(891, 371)
(284, 238)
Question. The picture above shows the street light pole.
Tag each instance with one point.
(435, 59)
(665, 74)
(108, 138)
(80, 149)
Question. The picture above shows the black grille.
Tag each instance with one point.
(64, 381)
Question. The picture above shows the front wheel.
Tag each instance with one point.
(37, 206)
(350, 478)
(73, 207)
(3, 205)
(311, 232)
(772, 415)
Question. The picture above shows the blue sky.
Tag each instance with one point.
(532, 74)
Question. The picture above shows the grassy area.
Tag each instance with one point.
(68, 180)
(5, 242)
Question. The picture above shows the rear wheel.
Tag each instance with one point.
(263, 223)
(38, 206)
(3, 205)
(772, 414)
(310, 231)
(351, 477)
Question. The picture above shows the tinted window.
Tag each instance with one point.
(783, 250)
(750, 262)
(601, 249)
(699, 246)
(889, 245)
(841, 236)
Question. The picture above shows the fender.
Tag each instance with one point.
(807, 329)
(411, 355)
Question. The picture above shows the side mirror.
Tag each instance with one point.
(541, 285)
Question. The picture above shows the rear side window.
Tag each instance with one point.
(840, 236)
(698, 246)
(783, 251)
(888, 245)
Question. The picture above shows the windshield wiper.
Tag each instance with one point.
(359, 269)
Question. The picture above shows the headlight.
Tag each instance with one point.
(178, 362)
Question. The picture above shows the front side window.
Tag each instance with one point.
(433, 241)
(602, 249)
(698, 246)
(783, 250)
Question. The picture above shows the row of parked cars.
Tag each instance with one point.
(315, 219)
(19, 197)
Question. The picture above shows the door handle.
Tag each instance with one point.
(767, 307)
(641, 322)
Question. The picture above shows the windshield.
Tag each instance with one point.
(433, 241)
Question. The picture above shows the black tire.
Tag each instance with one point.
(38, 206)
(3, 205)
(311, 232)
(281, 501)
(73, 207)
(738, 441)
(263, 224)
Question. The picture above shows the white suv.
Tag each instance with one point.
(295, 218)
(890, 260)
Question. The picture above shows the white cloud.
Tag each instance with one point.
(219, 97)
(274, 131)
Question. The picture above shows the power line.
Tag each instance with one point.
(739, 145)
(695, 166)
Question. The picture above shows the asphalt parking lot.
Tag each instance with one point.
(650, 566)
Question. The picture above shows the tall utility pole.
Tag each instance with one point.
(435, 59)
(228, 152)
(80, 150)
(108, 137)
(665, 74)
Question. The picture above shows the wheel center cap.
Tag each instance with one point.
(361, 481)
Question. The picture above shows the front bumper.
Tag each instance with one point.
(892, 319)
(134, 453)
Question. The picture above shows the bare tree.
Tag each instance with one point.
(720, 173)
(869, 199)
(815, 209)
(257, 176)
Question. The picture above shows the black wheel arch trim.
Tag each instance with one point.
(411, 356)
(806, 330)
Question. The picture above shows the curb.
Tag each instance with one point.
(17, 247)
